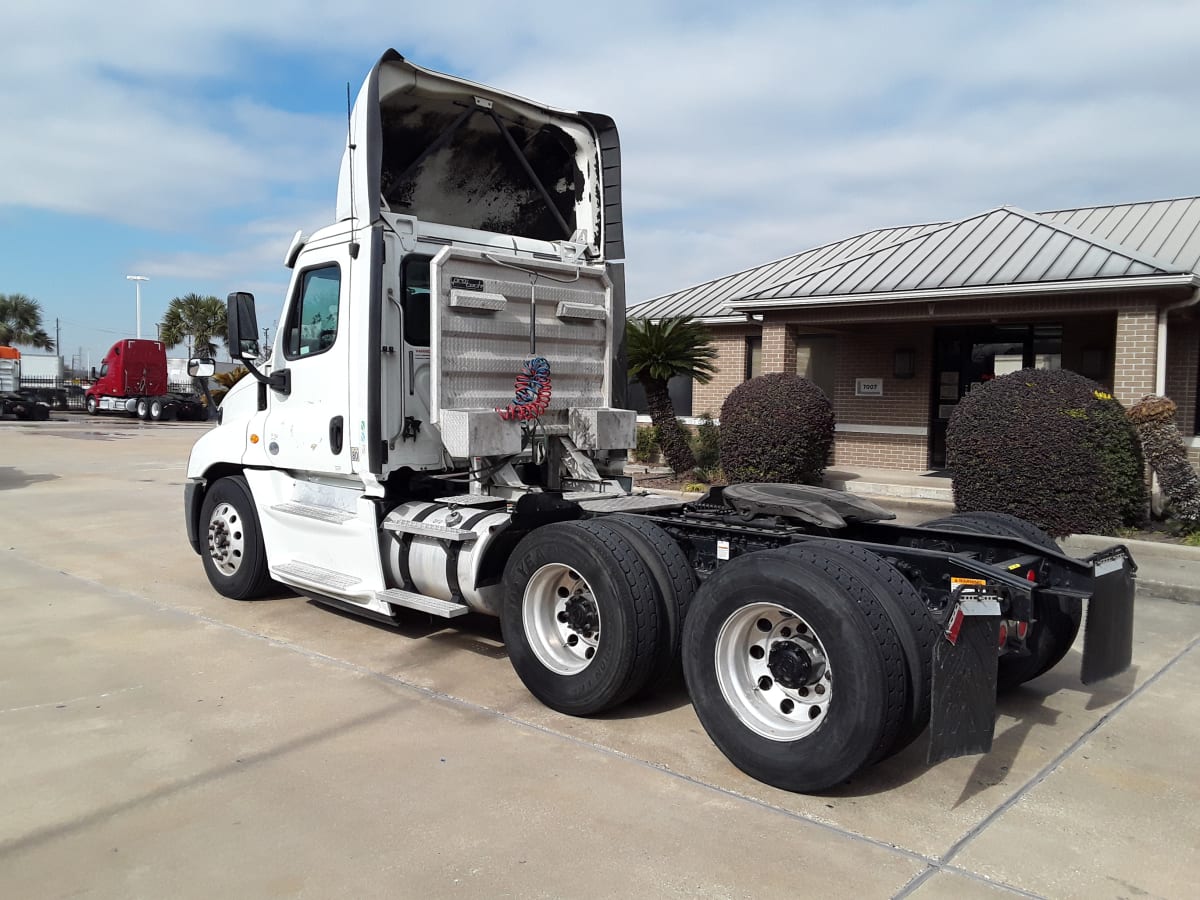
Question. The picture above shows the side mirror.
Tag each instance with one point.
(241, 326)
(202, 367)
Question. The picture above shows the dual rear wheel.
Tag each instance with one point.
(593, 611)
(804, 664)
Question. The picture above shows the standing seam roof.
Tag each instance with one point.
(949, 256)
(1129, 239)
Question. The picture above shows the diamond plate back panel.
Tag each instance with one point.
(478, 353)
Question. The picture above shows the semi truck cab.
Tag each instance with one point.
(437, 427)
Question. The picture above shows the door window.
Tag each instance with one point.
(312, 323)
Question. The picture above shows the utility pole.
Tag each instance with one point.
(57, 338)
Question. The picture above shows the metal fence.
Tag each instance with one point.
(59, 393)
(63, 393)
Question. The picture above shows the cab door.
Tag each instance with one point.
(307, 429)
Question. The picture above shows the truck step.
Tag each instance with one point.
(429, 529)
(320, 513)
(316, 575)
(432, 605)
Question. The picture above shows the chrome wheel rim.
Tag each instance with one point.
(773, 672)
(561, 619)
(226, 539)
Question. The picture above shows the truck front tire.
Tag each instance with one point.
(231, 543)
(580, 617)
(794, 669)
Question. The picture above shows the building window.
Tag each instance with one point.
(753, 357)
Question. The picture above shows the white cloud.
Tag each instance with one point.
(748, 132)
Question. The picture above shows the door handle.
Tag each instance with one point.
(335, 435)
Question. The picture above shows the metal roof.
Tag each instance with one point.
(999, 247)
(1168, 230)
(711, 299)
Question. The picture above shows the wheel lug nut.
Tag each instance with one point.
(562, 615)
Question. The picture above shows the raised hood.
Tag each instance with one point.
(449, 151)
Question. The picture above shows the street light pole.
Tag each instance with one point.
(137, 288)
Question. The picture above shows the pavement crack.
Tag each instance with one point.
(86, 699)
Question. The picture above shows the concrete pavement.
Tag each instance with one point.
(162, 740)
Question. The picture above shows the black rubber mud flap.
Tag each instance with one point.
(963, 718)
(1108, 634)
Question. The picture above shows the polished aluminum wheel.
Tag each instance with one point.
(226, 544)
(561, 619)
(773, 672)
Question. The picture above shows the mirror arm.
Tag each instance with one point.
(280, 380)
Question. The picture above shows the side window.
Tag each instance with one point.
(415, 303)
(312, 322)
(104, 368)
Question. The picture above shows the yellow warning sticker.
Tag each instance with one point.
(962, 582)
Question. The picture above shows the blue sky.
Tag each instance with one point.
(189, 144)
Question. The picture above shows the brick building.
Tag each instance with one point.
(898, 324)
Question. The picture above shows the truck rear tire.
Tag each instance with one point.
(794, 668)
(1053, 633)
(580, 617)
(231, 543)
(676, 581)
(141, 408)
(156, 410)
(916, 628)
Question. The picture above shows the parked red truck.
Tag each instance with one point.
(133, 380)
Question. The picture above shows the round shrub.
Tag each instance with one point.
(776, 428)
(1049, 446)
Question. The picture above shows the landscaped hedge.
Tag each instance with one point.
(776, 428)
(1049, 446)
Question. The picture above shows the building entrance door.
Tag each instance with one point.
(967, 356)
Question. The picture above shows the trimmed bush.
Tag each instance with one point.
(646, 450)
(1051, 447)
(776, 428)
(706, 445)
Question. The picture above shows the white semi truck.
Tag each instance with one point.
(440, 429)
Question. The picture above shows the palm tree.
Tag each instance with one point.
(21, 322)
(201, 320)
(657, 352)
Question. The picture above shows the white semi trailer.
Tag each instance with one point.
(439, 429)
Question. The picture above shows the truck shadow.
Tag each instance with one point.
(12, 479)
(481, 635)
(474, 632)
(1023, 714)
